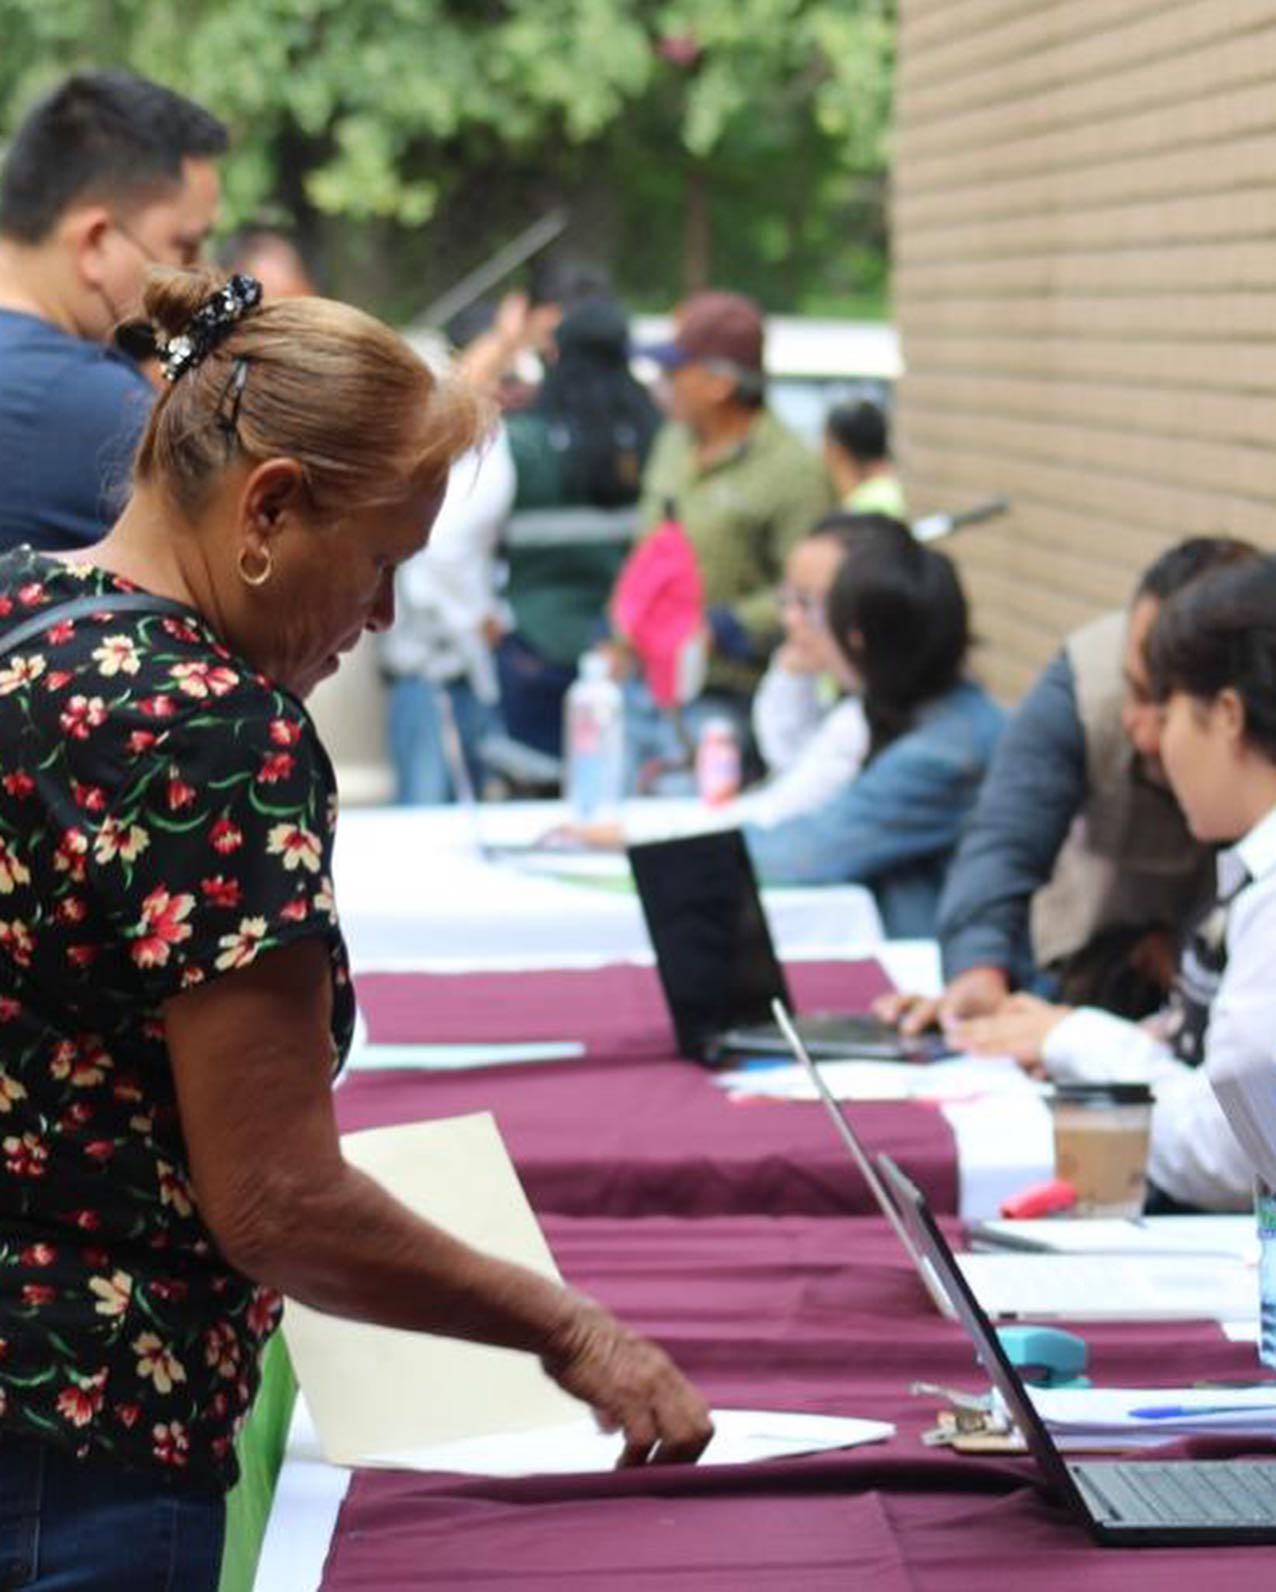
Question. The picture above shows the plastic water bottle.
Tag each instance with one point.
(1265, 1211)
(594, 743)
(718, 762)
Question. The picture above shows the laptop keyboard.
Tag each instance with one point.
(1213, 1493)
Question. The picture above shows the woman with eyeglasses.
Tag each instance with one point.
(174, 988)
(807, 720)
(897, 614)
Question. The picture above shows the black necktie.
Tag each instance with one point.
(1201, 965)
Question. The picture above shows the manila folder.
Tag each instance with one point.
(374, 1390)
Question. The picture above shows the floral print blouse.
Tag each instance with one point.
(166, 816)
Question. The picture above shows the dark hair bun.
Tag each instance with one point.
(171, 297)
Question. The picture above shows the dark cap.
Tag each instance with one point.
(725, 328)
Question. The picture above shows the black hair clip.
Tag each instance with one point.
(210, 325)
(229, 400)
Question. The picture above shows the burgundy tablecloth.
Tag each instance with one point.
(795, 1314)
(632, 1130)
(612, 1010)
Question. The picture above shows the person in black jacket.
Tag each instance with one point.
(578, 452)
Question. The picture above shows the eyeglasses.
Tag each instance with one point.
(189, 250)
(807, 604)
(142, 249)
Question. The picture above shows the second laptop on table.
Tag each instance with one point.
(718, 967)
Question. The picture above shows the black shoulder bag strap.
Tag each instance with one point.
(78, 607)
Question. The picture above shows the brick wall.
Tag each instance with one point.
(1085, 281)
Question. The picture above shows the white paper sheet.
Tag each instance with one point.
(372, 1390)
(1244, 1331)
(459, 1058)
(1004, 1145)
(741, 1437)
(959, 1078)
(1095, 1414)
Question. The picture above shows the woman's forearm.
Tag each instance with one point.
(349, 1248)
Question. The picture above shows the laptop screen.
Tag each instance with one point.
(713, 948)
(917, 1214)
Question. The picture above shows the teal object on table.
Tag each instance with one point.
(261, 1454)
(1046, 1356)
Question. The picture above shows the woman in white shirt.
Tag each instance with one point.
(447, 619)
(809, 725)
(1212, 664)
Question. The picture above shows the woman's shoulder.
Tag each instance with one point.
(979, 706)
(113, 693)
(210, 712)
(965, 702)
(962, 725)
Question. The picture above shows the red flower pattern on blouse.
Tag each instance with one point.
(161, 926)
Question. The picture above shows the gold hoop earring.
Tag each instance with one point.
(260, 576)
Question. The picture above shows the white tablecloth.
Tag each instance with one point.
(414, 890)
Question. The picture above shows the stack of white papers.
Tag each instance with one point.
(1232, 1237)
(741, 1437)
(1115, 1418)
(564, 863)
(958, 1078)
(1111, 1288)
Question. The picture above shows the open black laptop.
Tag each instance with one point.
(718, 967)
(1144, 1503)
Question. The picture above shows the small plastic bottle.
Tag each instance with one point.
(718, 762)
(1265, 1211)
(594, 743)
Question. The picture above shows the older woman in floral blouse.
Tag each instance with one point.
(174, 992)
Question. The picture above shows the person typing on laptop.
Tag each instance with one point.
(1076, 869)
(1211, 1055)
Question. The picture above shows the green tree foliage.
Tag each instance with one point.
(738, 139)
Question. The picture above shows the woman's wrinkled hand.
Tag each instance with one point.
(632, 1386)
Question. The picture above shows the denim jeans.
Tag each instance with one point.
(69, 1525)
(532, 693)
(421, 773)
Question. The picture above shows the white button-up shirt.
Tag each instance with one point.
(1212, 1125)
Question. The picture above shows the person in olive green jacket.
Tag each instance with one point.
(744, 488)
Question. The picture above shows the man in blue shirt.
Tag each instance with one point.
(108, 176)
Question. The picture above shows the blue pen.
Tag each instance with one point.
(1170, 1412)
